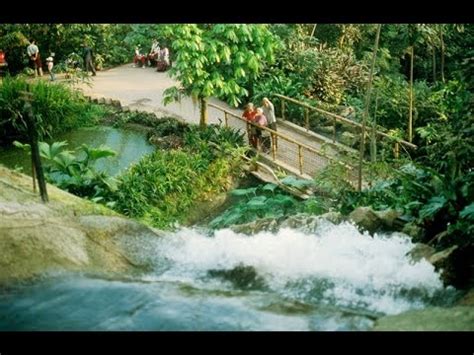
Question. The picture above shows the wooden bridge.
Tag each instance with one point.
(326, 139)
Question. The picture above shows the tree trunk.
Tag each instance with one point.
(203, 119)
(434, 64)
(35, 155)
(367, 104)
(410, 112)
(442, 55)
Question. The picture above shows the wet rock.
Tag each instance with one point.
(68, 233)
(333, 217)
(414, 231)
(366, 219)
(439, 259)
(388, 218)
(259, 225)
(445, 262)
(302, 221)
(242, 277)
(460, 318)
(420, 251)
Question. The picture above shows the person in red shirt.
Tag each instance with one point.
(3, 63)
(249, 115)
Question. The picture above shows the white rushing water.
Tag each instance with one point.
(335, 265)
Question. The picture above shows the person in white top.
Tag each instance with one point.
(269, 111)
(50, 63)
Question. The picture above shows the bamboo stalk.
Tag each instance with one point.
(367, 104)
(410, 112)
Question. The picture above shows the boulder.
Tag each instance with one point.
(389, 218)
(420, 251)
(366, 219)
(440, 259)
(413, 230)
(302, 221)
(242, 277)
(333, 217)
(259, 225)
(66, 234)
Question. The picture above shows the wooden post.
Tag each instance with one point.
(300, 159)
(283, 109)
(306, 118)
(203, 119)
(226, 119)
(396, 150)
(366, 111)
(314, 29)
(35, 155)
(410, 112)
(273, 146)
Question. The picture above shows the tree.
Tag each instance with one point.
(218, 60)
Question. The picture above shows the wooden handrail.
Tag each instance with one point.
(283, 136)
(344, 119)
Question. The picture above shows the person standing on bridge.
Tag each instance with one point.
(269, 111)
(261, 120)
(249, 115)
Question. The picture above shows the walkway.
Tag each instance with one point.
(142, 89)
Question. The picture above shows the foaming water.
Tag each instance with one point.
(334, 278)
(336, 264)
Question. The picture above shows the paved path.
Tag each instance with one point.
(142, 89)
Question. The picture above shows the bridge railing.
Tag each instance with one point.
(286, 150)
(329, 124)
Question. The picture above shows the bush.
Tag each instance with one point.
(57, 108)
(163, 186)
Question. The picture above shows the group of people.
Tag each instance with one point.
(159, 57)
(35, 59)
(261, 116)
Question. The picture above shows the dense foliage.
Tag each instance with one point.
(162, 187)
(57, 108)
(65, 40)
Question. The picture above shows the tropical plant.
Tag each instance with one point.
(75, 171)
(211, 60)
